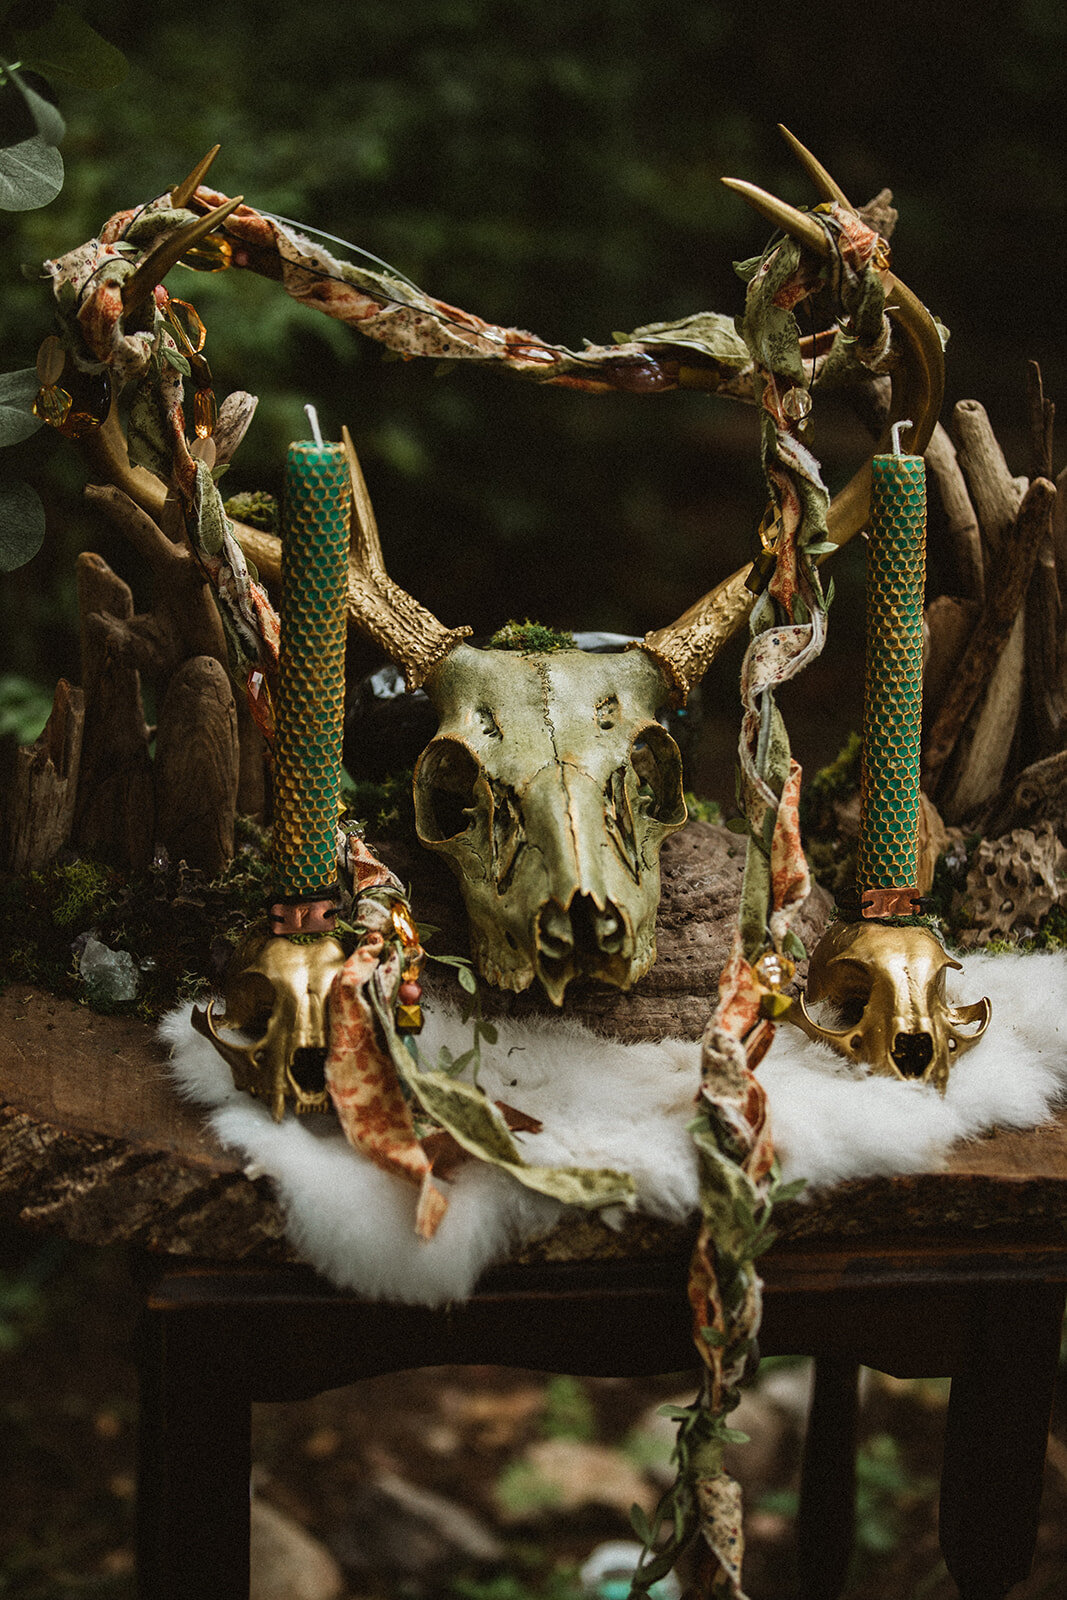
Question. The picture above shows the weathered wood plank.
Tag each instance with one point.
(94, 1144)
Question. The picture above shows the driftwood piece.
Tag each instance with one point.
(183, 625)
(185, 621)
(1059, 530)
(985, 745)
(1042, 420)
(1006, 585)
(252, 765)
(948, 625)
(932, 841)
(114, 811)
(196, 766)
(964, 537)
(1046, 652)
(996, 495)
(43, 787)
(1037, 795)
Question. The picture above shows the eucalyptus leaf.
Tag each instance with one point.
(31, 174)
(709, 332)
(176, 360)
(21, 524)
(17, 393)
(46, 118)
(66, 46)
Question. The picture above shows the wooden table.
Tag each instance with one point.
(959, 1274)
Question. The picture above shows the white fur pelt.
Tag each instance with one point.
(627, 1107)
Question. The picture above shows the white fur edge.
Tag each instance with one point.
(627, 1106)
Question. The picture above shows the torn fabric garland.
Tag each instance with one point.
(731, 1132)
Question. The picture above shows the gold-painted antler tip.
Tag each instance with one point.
(796, 223)
(828, 187)
(183, 192)
(155, 266)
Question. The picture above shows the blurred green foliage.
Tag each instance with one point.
(554, 167)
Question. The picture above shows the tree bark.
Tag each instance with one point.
(196, 766)
(964, 536)
(44, 787)
(995, 493)
(114, 811)
(1007, 582)
(987, 739)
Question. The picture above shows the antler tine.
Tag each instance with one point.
(687, 647)
(366, 540)
(828, 187)
(183, 192)
(797, 223)
(408, 633)
(155, 266)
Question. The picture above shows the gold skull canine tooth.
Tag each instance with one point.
(277, 994)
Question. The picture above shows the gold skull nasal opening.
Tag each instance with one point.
(307, 1069)
(912, 1053)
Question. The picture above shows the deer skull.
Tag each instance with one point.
(549, 788)
(887, 983)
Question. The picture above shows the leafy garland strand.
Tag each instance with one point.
(739, 1182)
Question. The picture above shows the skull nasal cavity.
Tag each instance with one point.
(583, 928)
(913, 1053)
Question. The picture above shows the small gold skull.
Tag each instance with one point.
(276, 993)
(887, 984)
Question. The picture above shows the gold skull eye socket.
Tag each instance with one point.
(848, 989)
(445, 793)
(657, 762)
(250, 1004)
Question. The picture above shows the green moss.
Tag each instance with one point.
(532, 638)
(837, 781)
(177, 923)
(385, 807)
(703, 810)
(257, 508)
(83, 890)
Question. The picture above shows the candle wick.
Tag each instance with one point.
(896, 430)
(316, 431)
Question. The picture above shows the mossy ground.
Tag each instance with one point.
(177, 924)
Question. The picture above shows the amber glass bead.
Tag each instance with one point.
(52, 405)
(205, 413)
(90, 401)
(212, 254)
(185, 320)
(774, 971)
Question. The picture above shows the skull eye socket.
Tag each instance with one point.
(850, 993)
(445, 794)
(657, 762)
(250, 1005)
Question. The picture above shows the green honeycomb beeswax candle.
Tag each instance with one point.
(311, 675)
(892, 698)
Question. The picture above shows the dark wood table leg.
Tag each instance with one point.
(826, 1516)
(194, 1465)
(995, 1438)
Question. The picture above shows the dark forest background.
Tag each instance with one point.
(555, 166)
